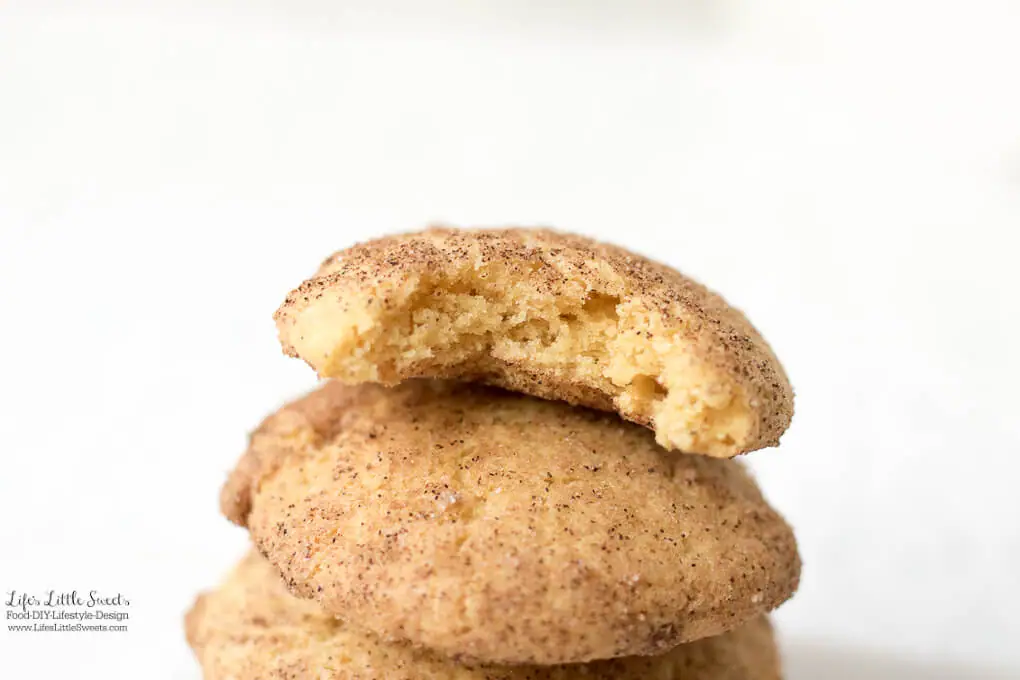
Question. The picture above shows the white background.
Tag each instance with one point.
(848, 172)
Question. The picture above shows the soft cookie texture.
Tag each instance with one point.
(548, 314)
(492, 526)
(251, 628)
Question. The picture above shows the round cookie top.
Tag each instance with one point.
(549, 314)
(251, 628)
(492, 526)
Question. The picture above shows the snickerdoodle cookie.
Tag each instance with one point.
(551, 315)
(493, 526)
(251, 628)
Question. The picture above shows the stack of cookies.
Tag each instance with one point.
(519, 468)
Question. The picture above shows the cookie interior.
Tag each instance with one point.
(495, 322)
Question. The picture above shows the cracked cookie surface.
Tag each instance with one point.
(549, 314)
(497, 527)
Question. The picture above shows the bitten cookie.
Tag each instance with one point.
(251, 628)
(492, 526)
(548, 314)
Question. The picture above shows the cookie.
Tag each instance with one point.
(251, 628)
(492, 526)
(551, 315)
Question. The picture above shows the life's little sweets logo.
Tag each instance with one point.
(73, 611)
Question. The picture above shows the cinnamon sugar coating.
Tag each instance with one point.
(251, 628)
(495, 527)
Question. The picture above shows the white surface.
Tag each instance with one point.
(847, 172)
